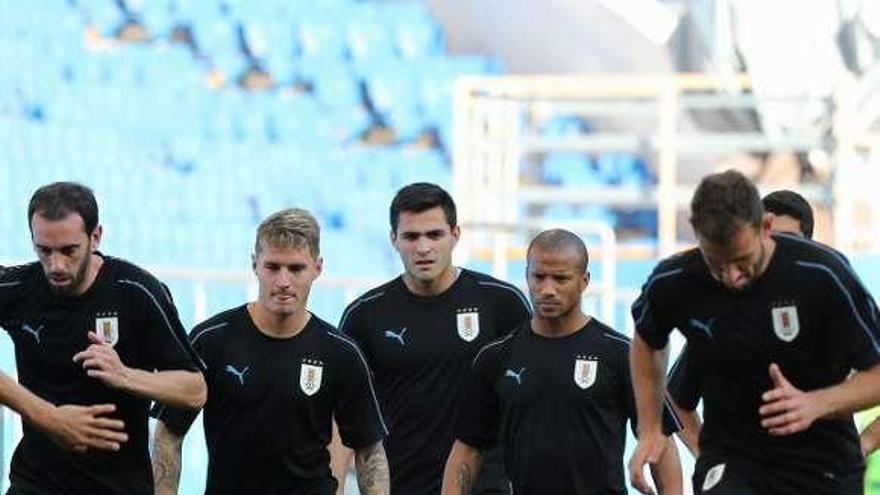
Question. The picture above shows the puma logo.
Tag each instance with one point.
(238, 374)
(396, 336)
(29, 329)
(515, 375)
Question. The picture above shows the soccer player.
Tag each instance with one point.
(96, 333)
(790, 213)
(775, 323)
(277, 375)
(556, 393)
(420, 332)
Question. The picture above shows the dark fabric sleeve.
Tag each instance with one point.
(179, 421)
(479, 409)
(671, 423)
(647, 312)
(355, 405)
(683, 383)
(162, 338)
(854, 312)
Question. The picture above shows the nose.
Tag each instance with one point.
(284, 279)
(732, 275)
(423, 245)
(56, 263)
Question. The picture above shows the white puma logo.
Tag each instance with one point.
(397, 336)
(515, 375)
(238, 374)
(29, 329)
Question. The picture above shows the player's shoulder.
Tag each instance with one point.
(13, 276)
(131, 276)
(610, 336)
(675, 268)
(807, 251)
(493, 286)
(217, 325)
(496, 349)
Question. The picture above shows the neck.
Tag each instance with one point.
(431, 287)
(768, 246)
(95, 264)
(560, 327)
(277, 326)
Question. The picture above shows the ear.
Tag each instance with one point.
(319, 266)
(767, 223)
(392, 235)
(586, 280)
(96, 237)
(254, 262)
(456, 234)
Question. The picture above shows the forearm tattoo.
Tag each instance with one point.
(371, 465)
(464, 478)
(166, 463)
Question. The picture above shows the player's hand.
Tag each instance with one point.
(649, 450)
(101, 361)
(81, 428)
(786, 408)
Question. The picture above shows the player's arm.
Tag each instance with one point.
(667, 473)
(870, 437)
(340, 459)
(77, 428)
(648, 368)
(462, 468)
(690, 428)
(788, 410)
(371, 466)
(175, 388)
(166, 453)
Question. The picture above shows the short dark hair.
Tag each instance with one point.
(722, 203)
(557, 240)
(419, 197)
(786, 202)
(57, 200)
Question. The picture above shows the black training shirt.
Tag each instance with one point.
(271, 402)
(559, 408)
(419, 349)
(807, 312)
(131, 310)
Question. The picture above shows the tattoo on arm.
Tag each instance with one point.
(372, 470)
(166, 460)
(464, 478)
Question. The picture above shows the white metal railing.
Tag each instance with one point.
(495, 121)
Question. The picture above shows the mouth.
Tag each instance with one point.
(284, 297)
(424, 263)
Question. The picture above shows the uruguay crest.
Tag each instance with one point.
(468, 324)
(310, 377)
(785, 322)
(585, 371)
(107, 328)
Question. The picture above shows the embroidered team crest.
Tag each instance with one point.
(107, 328)
(585, 371)
(785, 322)
(310, 376)
(468, 324)
(713, 476)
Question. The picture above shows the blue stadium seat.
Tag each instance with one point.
(321, 36)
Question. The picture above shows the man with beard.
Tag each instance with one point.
(96, 340)
(775, 324)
